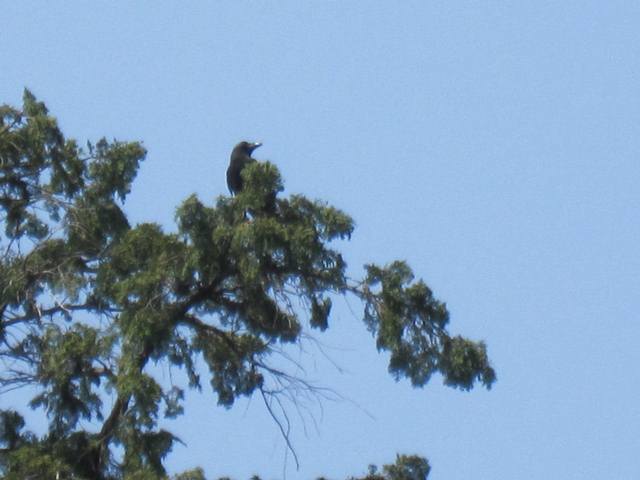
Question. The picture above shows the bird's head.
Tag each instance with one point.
(246, 147)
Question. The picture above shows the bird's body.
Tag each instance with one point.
(240, 158)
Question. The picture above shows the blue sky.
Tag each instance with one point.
(493, 145)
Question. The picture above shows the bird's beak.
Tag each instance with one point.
(255, 145)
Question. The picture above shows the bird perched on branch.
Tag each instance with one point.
(240, 158)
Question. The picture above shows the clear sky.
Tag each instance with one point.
(495, 146)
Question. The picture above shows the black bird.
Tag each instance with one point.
(240, 158)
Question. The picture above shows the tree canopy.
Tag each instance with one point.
(88, 300)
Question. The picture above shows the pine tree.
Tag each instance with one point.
(88, 300)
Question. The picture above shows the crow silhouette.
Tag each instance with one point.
(240, 158)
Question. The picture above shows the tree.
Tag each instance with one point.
(87, 301)
(407, 467)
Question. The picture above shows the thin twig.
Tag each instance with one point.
(283, 432)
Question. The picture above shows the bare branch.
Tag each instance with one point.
(284, 432)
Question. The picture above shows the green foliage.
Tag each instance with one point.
(196, 474)
(411, 324)
(406, 467)
(88, 301)
(67, 375)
